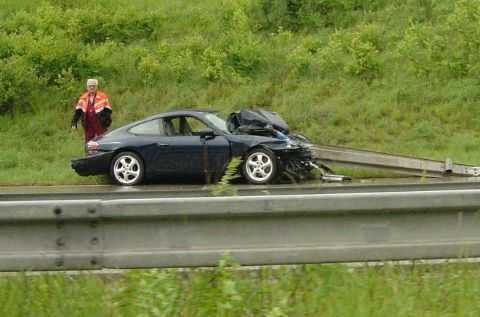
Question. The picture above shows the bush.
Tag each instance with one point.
(448, 49)
(7, 45)
(214, 63)
(18, 83)
(48, 54)
(96, 60)
(354, 53)
(239, 49)
(364, 61)
(66, 88)
(150, 69)
(126, 25)
(301, 58)
(310, 15)
(423, 49)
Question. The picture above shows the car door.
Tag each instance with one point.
(216, 155)
(190, 153)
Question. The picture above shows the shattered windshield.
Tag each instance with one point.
(218, 122)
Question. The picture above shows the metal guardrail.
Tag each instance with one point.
(189, 232)
(397, 163)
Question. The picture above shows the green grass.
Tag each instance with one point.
(304, 290)
(392, 76)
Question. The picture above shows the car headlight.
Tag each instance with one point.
(296, 143)
(291, 144)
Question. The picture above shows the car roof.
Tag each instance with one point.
(182, 112)
(186, 112)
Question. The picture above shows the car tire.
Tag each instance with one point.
(260, 166)
(127, 169)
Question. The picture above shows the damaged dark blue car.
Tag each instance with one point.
(199, 143)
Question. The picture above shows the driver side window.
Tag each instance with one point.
(183, 126)
(195, 125)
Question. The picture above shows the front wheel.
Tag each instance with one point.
(127, 169)
(260, 166)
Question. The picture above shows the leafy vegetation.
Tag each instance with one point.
(395, 76)
(232, 172)
(304, 290)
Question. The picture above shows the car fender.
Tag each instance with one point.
(128, 149)
(241, 144)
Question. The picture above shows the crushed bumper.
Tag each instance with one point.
(300, 163)
(92, 165)
(296, 162)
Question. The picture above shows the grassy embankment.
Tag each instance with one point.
(395, 76)
(303, 291)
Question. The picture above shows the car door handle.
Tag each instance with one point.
(163, 144)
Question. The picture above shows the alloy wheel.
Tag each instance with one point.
(259, 167)
(127, 169)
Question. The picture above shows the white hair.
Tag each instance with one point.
(92, 82)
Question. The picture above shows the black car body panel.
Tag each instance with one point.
(93, 165)
(187, 153)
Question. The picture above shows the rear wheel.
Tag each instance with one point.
(127, 169)
(260, 166)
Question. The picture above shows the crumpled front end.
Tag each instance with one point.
(297, 163)
(296, 160)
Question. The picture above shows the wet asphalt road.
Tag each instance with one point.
(16, 193)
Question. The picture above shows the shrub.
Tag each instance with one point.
(242, 50)
(422, 47)
(67, 87)
(125, 25)
(7, 45)
(331, 57)
(302, 57)
(354, 53)
(166, 63)
(181, 65)
(48, 54)
(18, 83)
(448, 49)
(364, 61)
(150, 69)
(310, 15)
(95, 60)
(214, 64)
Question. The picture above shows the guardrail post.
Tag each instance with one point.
(51, 235)
(60, 240)
(79, 236)
(96, 236)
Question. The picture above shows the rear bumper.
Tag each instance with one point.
(93, 165)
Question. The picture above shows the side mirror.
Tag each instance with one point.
(206, 133)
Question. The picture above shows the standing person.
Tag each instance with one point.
(95, 111)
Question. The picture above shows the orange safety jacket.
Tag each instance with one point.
(101, 102)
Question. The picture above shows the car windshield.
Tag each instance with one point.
(218, 122)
